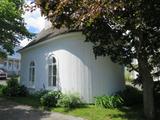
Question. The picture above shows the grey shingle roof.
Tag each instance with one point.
(45, 35)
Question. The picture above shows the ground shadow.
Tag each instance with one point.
(130, 113)
(12, 111)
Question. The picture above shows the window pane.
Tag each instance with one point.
(49, 80)
(32, 64)
(53, 60)
(54, 70)
(30, 74)
(54, 80)
(50, 70)
(33, 74)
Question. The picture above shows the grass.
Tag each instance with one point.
(94, 113)
(89, 112)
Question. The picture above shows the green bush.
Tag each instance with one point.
(50, 99)
(128, 76)
(40, 93)
(2, 87)
(69, 101)
(22, 91)
(12, 83)
(13, 89)
(131, 96)
(109, 101)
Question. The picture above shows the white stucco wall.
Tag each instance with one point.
(78, 70)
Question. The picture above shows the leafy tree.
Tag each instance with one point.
(12, 27)
(125, 30)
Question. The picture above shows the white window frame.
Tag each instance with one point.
(50, 73)
(32, 75)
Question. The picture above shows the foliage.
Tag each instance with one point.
(128, 76)
(50, 99)
(156, 86)
(91, 112)
(2, 87)
(3, 55)
(14, 76)
(131, 96)
(39, 94)
(69, 101)
(125, 30)
(113, 101)
(22, 91)
(13, 89)
(12, 27)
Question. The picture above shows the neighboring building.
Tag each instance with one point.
(61, 60)
(12, 63)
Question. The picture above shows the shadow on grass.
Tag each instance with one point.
(134, 98)
(130, 113)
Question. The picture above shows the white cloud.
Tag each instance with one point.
(29, 1)
(34, 21)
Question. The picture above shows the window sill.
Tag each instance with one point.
(31, 87)
(52, 88)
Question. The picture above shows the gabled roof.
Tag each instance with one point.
(46, 34)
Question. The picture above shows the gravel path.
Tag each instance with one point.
(13, 111)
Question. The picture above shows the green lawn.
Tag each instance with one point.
(93, 113)
(89, 112)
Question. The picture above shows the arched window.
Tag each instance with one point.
(32, 73)
(52, 71)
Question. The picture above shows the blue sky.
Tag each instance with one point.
(34, 22)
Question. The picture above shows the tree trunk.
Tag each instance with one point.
(148, 96)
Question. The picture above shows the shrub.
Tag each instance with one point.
(128, 76)
(50, 99)
(40, 93)
(22, 91)
(69, 101)
(12, 83)
(1, 89)
(109, 101)
(4, 91)
(131, 96)
(13, 89)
